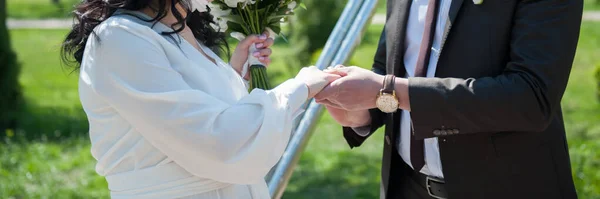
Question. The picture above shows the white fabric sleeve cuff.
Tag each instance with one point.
(296, 92)
(246, 83)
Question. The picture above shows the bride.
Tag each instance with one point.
(168, 118)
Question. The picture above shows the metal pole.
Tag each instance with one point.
(335, 41)
(277, 180)
(305, 129)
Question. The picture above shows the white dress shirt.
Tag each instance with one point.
(414, 34)
(166, 122)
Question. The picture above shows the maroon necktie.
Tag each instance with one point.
(417, 154)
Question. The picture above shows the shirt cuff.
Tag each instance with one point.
(362, 131)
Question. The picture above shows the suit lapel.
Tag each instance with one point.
(452, 14)
(397, 19)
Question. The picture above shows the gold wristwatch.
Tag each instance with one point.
(387, 101)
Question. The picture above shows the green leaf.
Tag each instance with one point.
(274, 20)
(303, 6)
(282, 12)
(279, 16)
(236, 27)
(276, 28)
(235, 18)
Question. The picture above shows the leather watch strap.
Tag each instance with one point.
(388, 84)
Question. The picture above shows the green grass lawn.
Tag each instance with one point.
(48, 157)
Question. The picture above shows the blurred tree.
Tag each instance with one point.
(58, 5)
(311, 28)
(10, 94)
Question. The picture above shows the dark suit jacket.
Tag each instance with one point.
(500, 78)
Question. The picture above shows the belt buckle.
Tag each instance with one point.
(429, 179)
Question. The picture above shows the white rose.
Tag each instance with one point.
(292, 5)
(199, 5)
(221, 24)
(216, 11)
(234, 3)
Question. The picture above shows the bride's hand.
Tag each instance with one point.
(240, 55)
(315, 79)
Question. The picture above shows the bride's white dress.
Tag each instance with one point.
(165, 122)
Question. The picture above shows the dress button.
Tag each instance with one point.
(455, 131)
(444, 132)
(387, 140)
(437, 132)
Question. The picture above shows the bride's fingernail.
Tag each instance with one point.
(261, 58)
(259, 45)
(262, 37)
(256, 54)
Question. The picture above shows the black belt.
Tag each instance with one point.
(435, 186)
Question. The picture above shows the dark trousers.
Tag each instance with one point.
(407, 185)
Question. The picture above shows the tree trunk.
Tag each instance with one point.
(9, 77)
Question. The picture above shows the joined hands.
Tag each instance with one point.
(346, 92)
(349, 93)
(349, 97)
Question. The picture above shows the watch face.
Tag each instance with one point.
(387, 103)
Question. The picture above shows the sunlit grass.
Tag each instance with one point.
(37, 9)
(591, 5)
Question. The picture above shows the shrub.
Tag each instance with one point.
(311, 28)
(585, 162)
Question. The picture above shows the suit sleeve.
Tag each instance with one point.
(378, 118)
(525, 96)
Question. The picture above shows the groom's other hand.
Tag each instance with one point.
(356, 90)
(350, 118)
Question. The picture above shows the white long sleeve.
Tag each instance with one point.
(139, 75)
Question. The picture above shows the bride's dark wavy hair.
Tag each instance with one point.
(89, 13)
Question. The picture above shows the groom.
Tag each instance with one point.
(469, 92)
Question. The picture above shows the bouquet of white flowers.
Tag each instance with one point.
(246, 17)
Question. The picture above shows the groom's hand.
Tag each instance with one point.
(350, 118)
(356, 90)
